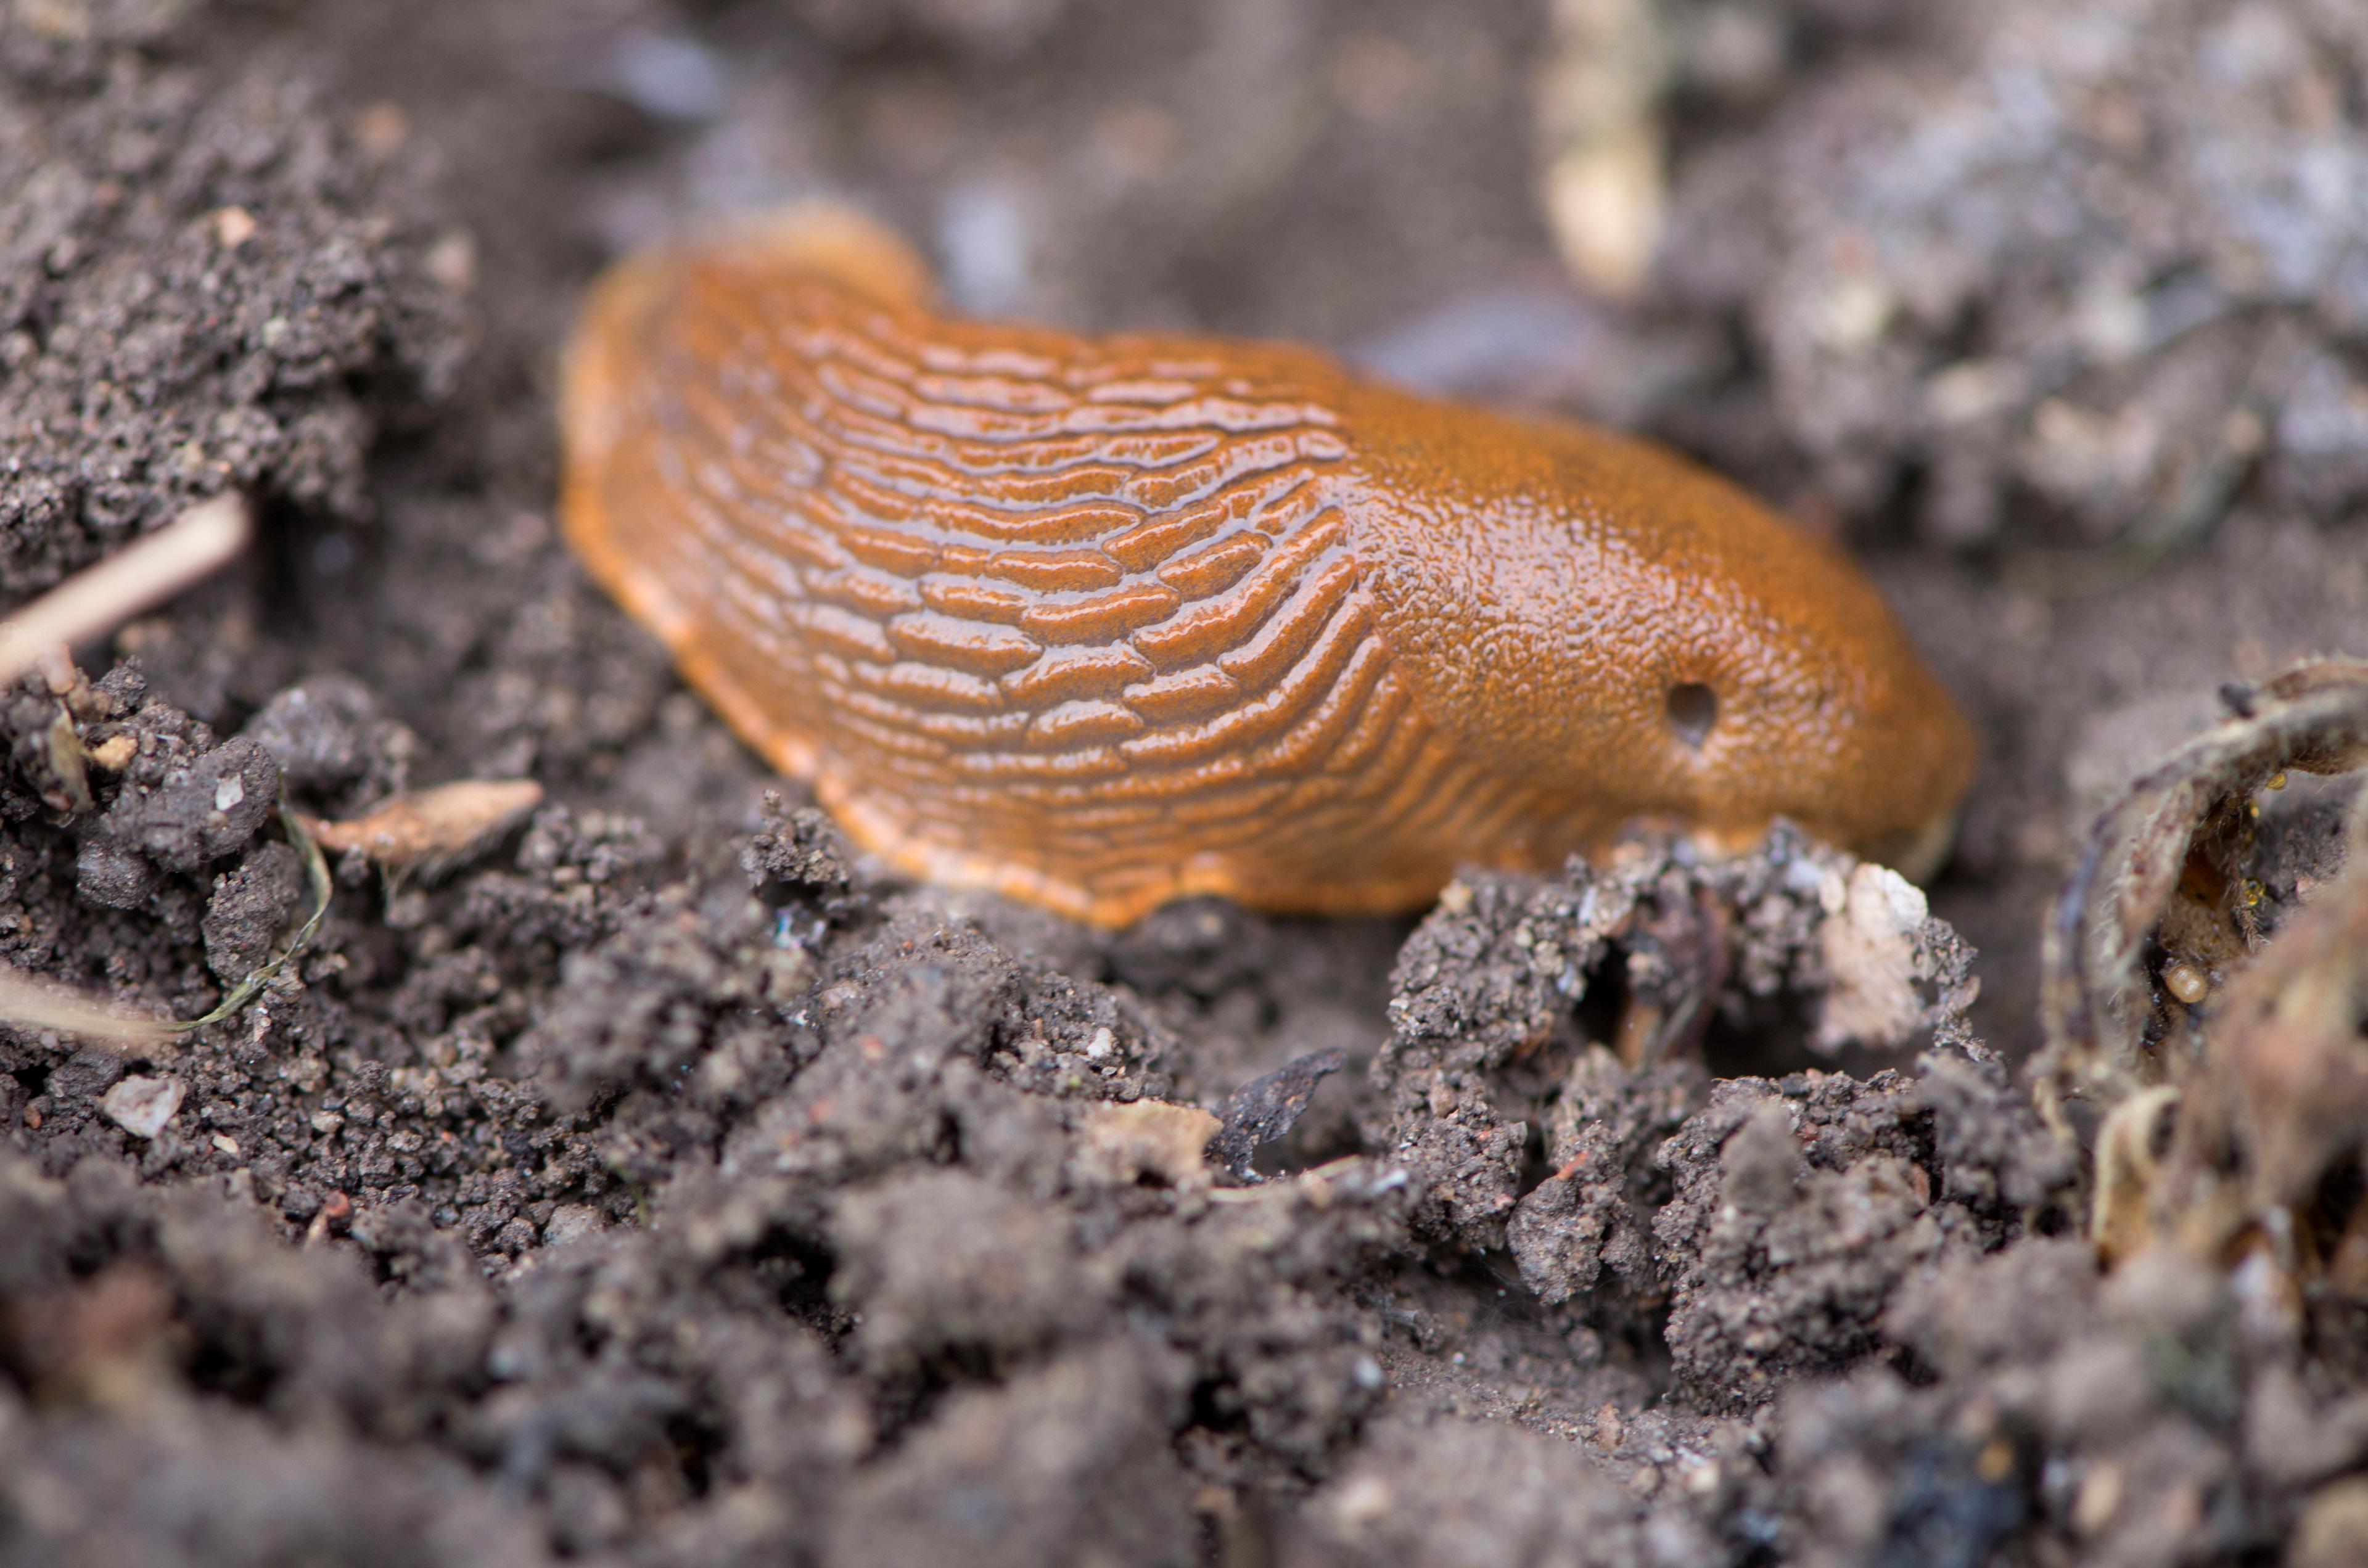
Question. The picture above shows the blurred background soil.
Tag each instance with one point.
(668, 1185)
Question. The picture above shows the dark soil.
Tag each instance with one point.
(664, 1184)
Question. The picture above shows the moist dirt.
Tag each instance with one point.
(655, 1180)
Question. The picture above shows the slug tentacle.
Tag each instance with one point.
(1104, 622)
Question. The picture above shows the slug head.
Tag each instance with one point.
(1630, 636)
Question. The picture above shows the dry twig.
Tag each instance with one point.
(101, 597)
(94, 600)
(430, 830)
(29, 1003)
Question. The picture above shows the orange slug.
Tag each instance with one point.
(1102, 622)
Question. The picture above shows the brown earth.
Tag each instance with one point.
(666, 1184)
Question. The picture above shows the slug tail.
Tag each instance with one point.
(619, 518)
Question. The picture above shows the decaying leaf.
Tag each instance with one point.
(427, 832)
(1268, 1106)
(2274, 1126)
(2218, 1029)
(2170, 848)
(2288, 1061)
(2121, 1221)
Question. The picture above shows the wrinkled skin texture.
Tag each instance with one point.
(1102, 624)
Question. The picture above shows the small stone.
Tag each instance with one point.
(382, 129)
(572, 1222)
(1364, 1502)
(142, 1105)
(320, 733)
(1125, 1143)
(249, 908)
(234, 226)
(2334, 1528)
(796, 848)
(1760, 1162)
(1604, 205)
(2098, 1499)
(1870, 951)
(451, 261)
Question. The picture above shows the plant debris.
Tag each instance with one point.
(427, 833)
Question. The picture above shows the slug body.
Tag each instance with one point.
(1103, 622)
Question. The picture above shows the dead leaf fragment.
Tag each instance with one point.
(2121, 1221)
(2167, 828)
(1267, 1107)
(430, 830)
(2286, 1073)
(2217, 1027)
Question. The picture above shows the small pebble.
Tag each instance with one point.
(451, 261)
(2098, 1500)
(234, 226)
(382, 129)
(668, 76)
(573, 1223)
(142, 1105)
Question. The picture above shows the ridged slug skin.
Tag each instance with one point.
(1100, 623)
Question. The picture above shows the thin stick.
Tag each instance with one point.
(101, 597)
(98, 599)
(27, 1004)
